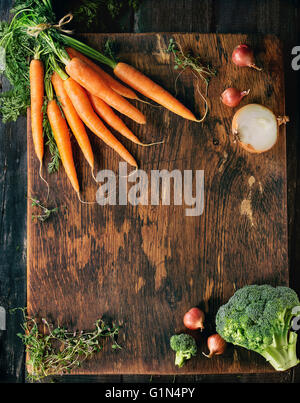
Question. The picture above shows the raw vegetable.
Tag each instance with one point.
(216, 345)
(185, 347)
(36, 74)
(194, 319)
(243, 56)
(258, 317)
(113, 120)
(89, 79)
(85, 110)
(135, 79)
(36, 77)
(114, 84)
(73, 119)
(62, 136)
(232, 97)
(19, 49)
(150, 89)
(109, 116)
(56, 351)
(83, 107)
(34, 32)
(256, 128)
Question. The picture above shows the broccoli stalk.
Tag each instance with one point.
(282, 353)
(185, 347)
(181, 357)
(259, 318)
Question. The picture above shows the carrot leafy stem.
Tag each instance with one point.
(110, 49)
(53, 165)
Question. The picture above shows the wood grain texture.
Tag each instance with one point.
(158, 380)
(175, 16)
(281, 17)
(12, 235)
(145, 266)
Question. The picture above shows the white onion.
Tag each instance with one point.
(256, 128)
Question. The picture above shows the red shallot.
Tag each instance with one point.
(232, 97)
(243, 56)
(216, 345)
(194, 319)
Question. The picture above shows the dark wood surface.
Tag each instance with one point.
(266, 16)
(147, 265)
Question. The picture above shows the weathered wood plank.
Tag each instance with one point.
(281, 20)
(179, 379)
(102, 21)
(12, 235)
(175, 16)
(161, 262)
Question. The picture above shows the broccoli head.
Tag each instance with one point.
(185, 347)
(258, 317)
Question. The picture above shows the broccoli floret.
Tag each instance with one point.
(258, 317)
(185, 347)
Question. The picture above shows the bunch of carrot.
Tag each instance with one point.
(86, 95)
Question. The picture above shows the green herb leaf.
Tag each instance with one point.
(56, 351)
(200, 71)
(45, 211)
(87, 12)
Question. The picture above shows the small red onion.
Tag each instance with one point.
(216, 345)
(194, 319)
(243, 56)
(232, 97)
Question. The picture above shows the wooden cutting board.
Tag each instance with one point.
(145, 266)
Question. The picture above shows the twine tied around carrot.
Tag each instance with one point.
(34, 31)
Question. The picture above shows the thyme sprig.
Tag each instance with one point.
(45, 211)
(186, 61)
(56, 351)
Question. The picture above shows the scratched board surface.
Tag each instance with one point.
(145, 266)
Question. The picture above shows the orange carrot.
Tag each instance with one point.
(114, 84)
(36, 73)
(150, 89)
(62, 138)
(88, 78)
(73, 119)
(84, 108)
(108, 115)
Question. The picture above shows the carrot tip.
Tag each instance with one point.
(151, 144)
(44, 180)
(131, 173)
(148, 103)
(93, 175)
(84, 202)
